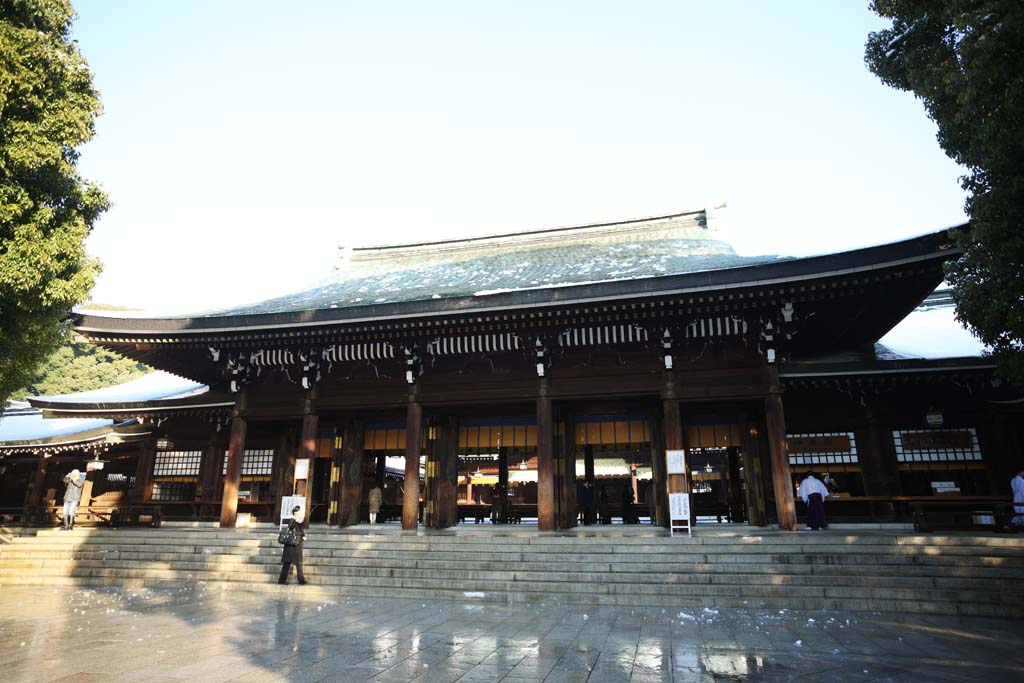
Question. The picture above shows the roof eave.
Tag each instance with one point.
(932, 246)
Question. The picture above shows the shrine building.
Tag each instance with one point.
(536, 369)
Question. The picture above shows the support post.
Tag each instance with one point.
(411, 486)
(878, 460)
(351, 472)
(236, 446)
(334, 494)
(546, 507)
(672, 428)
(143, 489)
(307, 445)
(752, 473)
(34, 491)
(781, 477)
(567, 459)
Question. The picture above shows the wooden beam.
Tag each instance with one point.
(546, 480)
(351, 471)
(411, 487)
(781, 478)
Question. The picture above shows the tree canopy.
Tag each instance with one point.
(48, 107)
(965, 60)
(79, 366)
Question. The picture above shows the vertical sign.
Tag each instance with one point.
(678, 497)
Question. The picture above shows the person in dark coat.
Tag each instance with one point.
(588, 503)
(603, 508)
(292, 554)
(628, 516)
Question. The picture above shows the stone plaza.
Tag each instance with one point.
(205, 633)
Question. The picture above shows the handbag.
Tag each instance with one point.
(288, 536)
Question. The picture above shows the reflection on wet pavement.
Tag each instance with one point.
(86, 636)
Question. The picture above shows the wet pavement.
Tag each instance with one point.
(85, 635)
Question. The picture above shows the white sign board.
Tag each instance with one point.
(302, 468)
(287, 503)
(676, 462)
(679, 506)
(679, 513)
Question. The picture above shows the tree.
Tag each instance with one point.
(80, 366)
(965, 60)
(47, 110)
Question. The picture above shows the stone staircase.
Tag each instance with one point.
(863, 570)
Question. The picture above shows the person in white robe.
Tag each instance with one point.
(813, 492)
(1017, 485)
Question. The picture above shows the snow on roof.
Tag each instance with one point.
(932, 331)
(155, 385)
(33, 427)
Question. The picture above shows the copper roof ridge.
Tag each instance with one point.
(534, 232)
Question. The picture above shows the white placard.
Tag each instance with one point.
(287, 503)
(676, 461)
(302, 468)
(679, 506)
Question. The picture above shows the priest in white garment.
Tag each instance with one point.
(1017, 485)
(814, 493)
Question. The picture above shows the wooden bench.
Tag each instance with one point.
(936, 515)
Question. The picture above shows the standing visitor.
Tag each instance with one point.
(72, 496)
(1017, 485)
(628, 516)
(292, 553)
(375, 498)
(603, 509)
(497, 499)
(588, 503)
(814, 493)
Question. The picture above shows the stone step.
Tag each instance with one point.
(668, 602)
(1002, 584)
(468, 584)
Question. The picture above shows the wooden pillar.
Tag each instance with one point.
(380, 473)
(441, 495)
(282, 472)
(34, 491)
(589, 475)
(351, 471)
(752, 474)
(567, 460)
(877, 458)
(411, 487)
(546, 479)
(503, 470)
(307, 447)
(334, 493)
(236, 447)
(143, 489)
(672, 429)
(781, 478)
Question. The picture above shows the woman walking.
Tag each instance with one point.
(375, 500)
(293, 551)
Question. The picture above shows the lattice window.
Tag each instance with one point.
(936, 445)
(256, 462)
(177, 463)
(822, 448)
(173, 490)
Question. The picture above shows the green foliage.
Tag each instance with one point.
(79, 366)
(965, 60)
(47, 110)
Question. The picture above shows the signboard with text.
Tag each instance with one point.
(289, 502)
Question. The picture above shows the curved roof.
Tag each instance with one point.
(605, 252)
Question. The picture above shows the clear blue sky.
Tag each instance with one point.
(242, 142)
